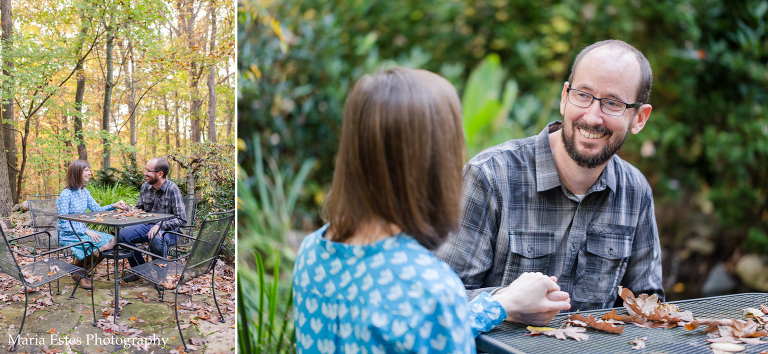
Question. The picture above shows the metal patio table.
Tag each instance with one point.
(510, 337)
(118, 224)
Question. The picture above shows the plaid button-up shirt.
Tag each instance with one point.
(166, 200)
(518, 217)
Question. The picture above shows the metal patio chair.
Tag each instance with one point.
(168, 273)
(183, 244)
(43, 271)
(42, 209)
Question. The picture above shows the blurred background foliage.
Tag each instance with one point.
(704, 150)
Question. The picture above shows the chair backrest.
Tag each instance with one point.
(190, 206)
(8, 264)
(206, 246)
(43, 211)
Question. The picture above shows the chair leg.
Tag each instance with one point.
(72, 296)
(26, 301)
(93, 289)
(213, 290)
(176, 312)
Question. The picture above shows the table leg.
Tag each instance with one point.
(117, 278)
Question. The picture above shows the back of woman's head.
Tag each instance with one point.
(75, 174)
(400, 157)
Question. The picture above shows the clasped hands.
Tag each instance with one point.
(533, 298)
(120, 205)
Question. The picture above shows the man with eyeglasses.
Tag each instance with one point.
(158, 195)
(562, 203)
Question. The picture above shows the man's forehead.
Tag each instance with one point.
(611, 64)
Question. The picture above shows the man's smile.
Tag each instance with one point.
(589, 135)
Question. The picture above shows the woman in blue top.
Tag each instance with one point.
(367, 282)
(75, 198)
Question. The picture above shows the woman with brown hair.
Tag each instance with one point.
(367, 279)
(75, 198)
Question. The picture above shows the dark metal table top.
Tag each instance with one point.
(112, 221)
(510, 337)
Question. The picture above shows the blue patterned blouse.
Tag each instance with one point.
(70, 202)
(392, 296)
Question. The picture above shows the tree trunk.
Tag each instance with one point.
(176, 116)
(212, 79)
(8, 162)
(108, 84)
(166, 119)
(82, 153)
(187, 18)
(129, 69)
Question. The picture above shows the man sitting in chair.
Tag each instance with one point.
(161, 196)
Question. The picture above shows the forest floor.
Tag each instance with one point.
(60, 324)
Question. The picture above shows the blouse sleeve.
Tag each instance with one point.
(453, 326)
(485, 313)
(93, 206)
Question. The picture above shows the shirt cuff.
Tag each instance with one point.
(486, 313)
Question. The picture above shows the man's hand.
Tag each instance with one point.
(533, 298)
(95, 237)
(153, 232)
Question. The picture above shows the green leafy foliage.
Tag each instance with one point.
(266, 203)
(265, 324)
(704, 147)
(109, 194)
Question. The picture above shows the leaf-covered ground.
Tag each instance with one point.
(58, 324)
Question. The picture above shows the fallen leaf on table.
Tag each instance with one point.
(649, 308)
(638, 342)
(53, 330)
(590, 321)
(613, 315)
(573, 332)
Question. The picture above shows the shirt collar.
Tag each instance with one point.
(163, 188)
(546, 170)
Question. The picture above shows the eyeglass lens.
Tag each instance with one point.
(607, 105)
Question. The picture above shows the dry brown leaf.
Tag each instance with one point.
(649, 308)
(562, 333)
(590, 321)
(638, 342)
(613, 315)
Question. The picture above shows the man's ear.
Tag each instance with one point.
(641, 117)
(564, 98)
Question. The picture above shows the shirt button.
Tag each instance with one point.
(573, 247)
(530, 248)
(610, 251)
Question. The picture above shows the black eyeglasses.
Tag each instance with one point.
(609, 106)
(146, 170)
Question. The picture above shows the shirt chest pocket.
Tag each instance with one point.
(529, 252)
(607, 252)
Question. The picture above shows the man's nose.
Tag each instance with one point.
(594, 114)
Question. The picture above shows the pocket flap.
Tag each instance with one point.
(610, 241)
(532, 244)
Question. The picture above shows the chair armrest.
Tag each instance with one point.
(30, 235)
(123, 245)
(68, 246)
(185, 236)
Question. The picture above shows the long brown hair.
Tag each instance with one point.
(75, 174)
(400, 157)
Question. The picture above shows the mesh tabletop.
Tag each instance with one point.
(510, 337)
(110, 220)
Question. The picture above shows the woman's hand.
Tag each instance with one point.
(95, 237)
(533, 298)
(120, 205)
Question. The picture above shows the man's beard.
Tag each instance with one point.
(152, 180)
(595, 160)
